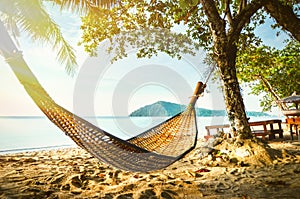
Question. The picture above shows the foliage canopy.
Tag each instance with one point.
(225, 29)
(128, 16)
(271, 72)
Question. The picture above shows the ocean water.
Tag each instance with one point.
(18, 134)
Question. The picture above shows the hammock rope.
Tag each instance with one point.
(154, 149)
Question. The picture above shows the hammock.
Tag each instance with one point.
(154, 149)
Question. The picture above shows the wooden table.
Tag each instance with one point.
(268, 128)
(293, 122)
(260, 128)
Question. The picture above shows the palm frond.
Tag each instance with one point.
(36, 22)
(83, 6)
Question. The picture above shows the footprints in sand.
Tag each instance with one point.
(72, 173)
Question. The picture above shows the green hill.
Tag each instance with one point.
(159, 108)
(162, 108)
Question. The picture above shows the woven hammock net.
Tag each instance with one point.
(171, 137)
(154, 149)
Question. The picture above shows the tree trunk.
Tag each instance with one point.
(233, 99)
(277, 99)
(226, 51)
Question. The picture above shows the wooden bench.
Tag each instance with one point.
(218, 128)
(259, 128)
(267, 128)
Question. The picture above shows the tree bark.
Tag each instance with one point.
(233, 99)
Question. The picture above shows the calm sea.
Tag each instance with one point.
(19, 134)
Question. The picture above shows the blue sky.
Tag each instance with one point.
(109, 95)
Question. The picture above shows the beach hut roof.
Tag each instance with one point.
(291, 99)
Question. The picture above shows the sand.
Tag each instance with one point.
(73, 173)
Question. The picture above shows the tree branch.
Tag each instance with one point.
(228, 12)
(243, 4)
(217, 24)
(284, 16)
(243, 17)
(267, 84)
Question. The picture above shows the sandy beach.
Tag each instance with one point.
(73, 173)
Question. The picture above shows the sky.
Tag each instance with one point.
(102, 88)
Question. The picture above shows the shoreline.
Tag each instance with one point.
(73, 173)
(34, 149)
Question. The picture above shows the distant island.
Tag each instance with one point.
(162, 108)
